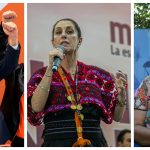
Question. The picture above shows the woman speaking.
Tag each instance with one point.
(72, 101)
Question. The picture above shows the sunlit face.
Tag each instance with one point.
(66, 34)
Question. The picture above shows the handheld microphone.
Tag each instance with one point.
(57, 60)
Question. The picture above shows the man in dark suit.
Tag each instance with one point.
(9, 46)
(9, 54)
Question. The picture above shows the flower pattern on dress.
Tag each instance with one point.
(142, 99)
(141, 94)
(95, 85)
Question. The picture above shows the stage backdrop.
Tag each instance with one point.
(106, 43)
(19, 9)
(141, 55)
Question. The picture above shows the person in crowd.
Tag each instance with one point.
(124, 138)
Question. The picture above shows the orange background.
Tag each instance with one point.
(19, 9)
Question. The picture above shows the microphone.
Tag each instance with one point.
(57, 60)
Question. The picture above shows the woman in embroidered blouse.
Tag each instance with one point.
(72, 101)
(142, 113)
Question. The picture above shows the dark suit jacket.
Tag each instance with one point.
(9, 62)
(8, 56)
(10, 103)
(13, 75)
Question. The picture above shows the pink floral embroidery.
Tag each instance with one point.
(95, 86)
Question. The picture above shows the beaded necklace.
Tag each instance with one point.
(76, 106)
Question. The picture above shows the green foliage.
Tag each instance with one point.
(141, 15)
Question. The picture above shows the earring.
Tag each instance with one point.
(79, 44)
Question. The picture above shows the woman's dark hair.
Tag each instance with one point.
(120, 137)
(67, 19)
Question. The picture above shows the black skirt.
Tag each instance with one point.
(60, 128)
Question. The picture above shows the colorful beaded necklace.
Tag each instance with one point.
(77, 107)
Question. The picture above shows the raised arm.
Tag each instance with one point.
(10, 59)
(41, 93)
(120, 81)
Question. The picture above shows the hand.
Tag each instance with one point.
(121, 83)
(8, 16)
(55, 52)
(121, 80)
(11, 30)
